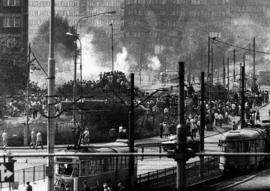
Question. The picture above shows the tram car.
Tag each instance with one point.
(72, 171)
(246, 140)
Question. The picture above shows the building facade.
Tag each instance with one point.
(14, 25)
(13, 45)
(180, 28)
(72, 10)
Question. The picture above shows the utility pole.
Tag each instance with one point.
(208, 60)
(75, 91)
(51, 103)
(234, 65)
(202, 121)
(211, 86)
(224, 72)
(242, 97)
(189, 71)
(131, 133)
(228, 75)
(181, 132)
(112, 47)
(244, 59)
(254, 64)
(26, 130)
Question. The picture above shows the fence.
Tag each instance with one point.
(166, 178)
(30, 174)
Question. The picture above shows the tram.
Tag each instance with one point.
(72, 171)
(244, 141)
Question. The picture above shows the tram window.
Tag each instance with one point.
(84, 168)
(246, 147)
(67, 169)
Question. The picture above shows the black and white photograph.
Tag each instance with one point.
(134, 95)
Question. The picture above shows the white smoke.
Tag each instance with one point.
(154, 63)
(122, 63)
(91, 59)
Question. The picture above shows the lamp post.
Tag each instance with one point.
(77, 38)
(112, 47)
(51, 103)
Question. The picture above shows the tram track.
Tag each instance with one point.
(229, 181)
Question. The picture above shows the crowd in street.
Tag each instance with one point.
(222, 111)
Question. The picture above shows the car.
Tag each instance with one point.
(170, 144)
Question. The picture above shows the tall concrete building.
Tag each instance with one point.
(14, 25)
(177, 30)
(13, 44)
(72, 10)
(39, 12)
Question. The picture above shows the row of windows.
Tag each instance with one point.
(10, 42)
(163, 2)
(11, 21)
(64, 3)
(110, 3)
(48, 13)
(11, 3)
(196, 13)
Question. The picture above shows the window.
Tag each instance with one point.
(11, 3)
(12, 21)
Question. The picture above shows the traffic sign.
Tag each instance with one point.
(7, 172)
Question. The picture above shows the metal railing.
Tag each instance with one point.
(30, 174)
(167, 177)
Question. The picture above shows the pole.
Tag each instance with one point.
(51, 103)
(202, 121)
(224, 72)
(228, 75)
(181, 132)
(189, 71)
(131, 133)
(26, 132)
(234, 65)
(81, 89)
(244, 59)
(208, 61)
(242, 96)
(112, 48)
(74, 91)
(254, 63)
(210, 87)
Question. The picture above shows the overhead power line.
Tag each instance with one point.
(239, 47)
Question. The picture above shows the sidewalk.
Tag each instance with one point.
(40, 185)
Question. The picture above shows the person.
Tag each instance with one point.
(112, 134)
(33, 138)
(257, 116)
(85, 186)
(39, 140)
(86, 136)
(120, 132)
(4, 138)
(68, 187)
(121, 187)
(28, 186)
(160, 130)
(220, 119)
(106, 187)
(62, 187)
(234, 125)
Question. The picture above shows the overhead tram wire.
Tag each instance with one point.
(239, 47)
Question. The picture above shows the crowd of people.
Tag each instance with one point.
(221, 110)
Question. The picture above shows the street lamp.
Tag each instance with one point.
(112, 47)
(77, 37)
